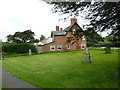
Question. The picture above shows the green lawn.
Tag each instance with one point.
(0, 74)
(66, 70)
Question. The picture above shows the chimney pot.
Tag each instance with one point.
(61, 29)
(57, 28)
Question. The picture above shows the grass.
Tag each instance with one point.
(0, 74)
(65, 69)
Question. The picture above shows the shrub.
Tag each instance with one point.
(18, 48)
(89, 44)
(107, 50)
(104, 44)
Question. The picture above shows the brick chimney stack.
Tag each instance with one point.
(57, 28)
(61, 29)
(73, 20)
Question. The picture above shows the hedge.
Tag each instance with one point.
(101, 44)
(18, 48)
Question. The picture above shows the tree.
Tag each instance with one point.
(42, 37)
(36, 40)
(10, 38)
(92, 37)
(102, 15)
(113, 39)
(21, 37)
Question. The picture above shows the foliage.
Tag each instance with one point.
(113, 39)
(71, 8)
(65, 69)
(35, 40)
(107, 50)
(21, 37)
(103, 44)
(102, 15)
(92, 37)
(18, 48)
(42, 37)
(77, 34)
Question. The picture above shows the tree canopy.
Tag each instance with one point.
(103, 16)
(22, 37)
(42, 37)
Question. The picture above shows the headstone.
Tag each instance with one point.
(87, 57)
(30, 52)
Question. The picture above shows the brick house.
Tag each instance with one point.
(60, 39)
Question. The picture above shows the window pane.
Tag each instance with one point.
(68, 47)
(52, 48)
(82, 46)
(59, 47)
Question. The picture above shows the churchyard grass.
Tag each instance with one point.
(65, 69)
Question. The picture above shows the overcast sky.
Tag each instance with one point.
(35, 15)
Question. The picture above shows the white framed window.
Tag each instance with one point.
(68, 47)
(52, 48)
(59, 47)
(83, 46)
(83, 37)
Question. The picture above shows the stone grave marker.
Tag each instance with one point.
(87, 57)
(30, 52)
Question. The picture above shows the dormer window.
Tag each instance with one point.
(74, 31)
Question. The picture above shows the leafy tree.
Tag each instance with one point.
(10, 38)
(73, 40)
(21, 37)
(92, 36)
(113, 39)
(36, 40)
(42, 37)
(102, 15)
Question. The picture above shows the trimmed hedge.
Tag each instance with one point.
(18, 48)
(101, 44)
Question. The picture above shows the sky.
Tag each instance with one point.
(35, 15)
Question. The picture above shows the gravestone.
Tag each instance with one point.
(87, 57)
(30, 52)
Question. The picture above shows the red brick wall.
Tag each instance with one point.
(62, 40)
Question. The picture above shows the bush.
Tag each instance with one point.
(18, 48)
(107, 50)
(89, 44)
(103, 44)
(100, 44)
